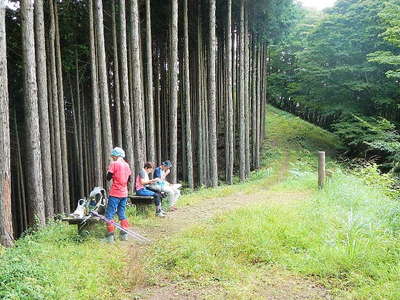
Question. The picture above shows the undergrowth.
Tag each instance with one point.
(345, 237)
(56, 263)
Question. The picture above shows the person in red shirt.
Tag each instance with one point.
(120, 174)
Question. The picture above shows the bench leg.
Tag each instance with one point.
(84, 229)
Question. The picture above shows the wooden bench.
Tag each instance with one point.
(141, 200)
(82, 228)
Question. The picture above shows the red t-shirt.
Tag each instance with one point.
(121, 172)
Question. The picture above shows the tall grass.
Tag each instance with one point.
(346, 237)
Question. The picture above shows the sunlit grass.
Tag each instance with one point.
(55, 263)
(345, 237)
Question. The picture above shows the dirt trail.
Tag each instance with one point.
(272, 284)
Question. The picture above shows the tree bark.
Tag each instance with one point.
(103, 82)
(57, 171)
(174, 90)
(212, 109)
(61, 106)
(98, 161)
(149, 91)
(187, 91)
(229, 98)
(246, 91)
(79, 133)
(242, 125)
(6, 228)
(200, 130)
(126, 112)
(140, 138)
(33, 155)
(117, 97)
(43, 109)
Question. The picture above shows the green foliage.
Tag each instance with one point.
(370, 174)
(325, 69)
(370, 137)
(389, 16)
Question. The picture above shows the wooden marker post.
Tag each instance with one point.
(321, 169)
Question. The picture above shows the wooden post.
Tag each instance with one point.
(321, 169)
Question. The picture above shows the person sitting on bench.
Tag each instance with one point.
(172, 190)
(120, 174)
(142, 180)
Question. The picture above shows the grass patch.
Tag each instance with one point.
(346, 237)
(287, 132)
(56, 263)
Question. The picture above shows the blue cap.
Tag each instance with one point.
(118, 152)
(167, 164)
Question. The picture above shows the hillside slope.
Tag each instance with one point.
(275, 236)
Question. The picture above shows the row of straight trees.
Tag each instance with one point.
(180, 80)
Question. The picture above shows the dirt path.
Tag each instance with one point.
(268, 284)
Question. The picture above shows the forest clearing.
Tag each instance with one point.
(155, 149)
(274, 237)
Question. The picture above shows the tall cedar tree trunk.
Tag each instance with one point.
(21, 181)
(79, 132)
(33, 155)
(98, 161)
(103, 82)
(242, 125)
(45, 142)
(140, 138)
(212, 97)
(229, 98)
(200, 139)
(6, 228)
(117, 98)
(258, 105)
(61, 106)
(126, 112)
(187, 91)
(254, 116)
(158, 106)
(57, 169)
(18, 185)
(149, 91)
(174, 90)
(246, 90)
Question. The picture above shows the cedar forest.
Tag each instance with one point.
(181, 80)
(178, 80)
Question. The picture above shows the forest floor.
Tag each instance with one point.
(267, 282)
(272, 283)
(274, 236)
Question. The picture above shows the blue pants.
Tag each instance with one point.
(116, 205)
(147, 192)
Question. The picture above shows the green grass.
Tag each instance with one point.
(345, 236)
(288, 140)
(55, 263)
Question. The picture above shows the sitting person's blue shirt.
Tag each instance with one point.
(159, 173)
